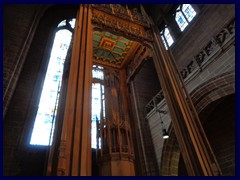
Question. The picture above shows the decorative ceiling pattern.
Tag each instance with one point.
(110, 49)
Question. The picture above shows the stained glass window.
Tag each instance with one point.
(72, 23)
(184, 15)
(63, 23)
(98, 106)
(188, 12)
(166, 37)
(46, 115)
(97, 72)
(182, 22)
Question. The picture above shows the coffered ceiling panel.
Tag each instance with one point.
(110, 49)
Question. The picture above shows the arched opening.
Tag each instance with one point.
(219, 124)
(170, 155)
(215, 102)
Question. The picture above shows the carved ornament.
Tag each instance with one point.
(123, 13)
(120, 26)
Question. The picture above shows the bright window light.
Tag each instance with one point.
(98, 106)
(182, 22)
(184, 15)
(46, 115)
(167, 38)
(189, 12)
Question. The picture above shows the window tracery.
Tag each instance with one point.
(166, 37)
(184, 15)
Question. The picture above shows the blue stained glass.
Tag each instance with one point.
(46, 114)
(63, 23)
(188, 12)
(95, 118)
(182, 22)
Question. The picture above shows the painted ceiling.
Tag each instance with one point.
(110, 49)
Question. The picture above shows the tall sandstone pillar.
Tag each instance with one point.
(73, 149)
(195, 148)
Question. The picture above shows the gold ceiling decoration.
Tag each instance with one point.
(110, 49)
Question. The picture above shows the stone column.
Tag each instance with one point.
(197, 153)
(74, 149)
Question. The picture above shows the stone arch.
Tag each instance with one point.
(214, 89)
(170, 155)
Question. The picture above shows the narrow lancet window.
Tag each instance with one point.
(47, 108)
(166, 37)
(184, 15)
(98, 105)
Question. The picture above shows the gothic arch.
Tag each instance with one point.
(170, 155)
(214, 89)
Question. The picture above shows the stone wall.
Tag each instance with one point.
(193, 41)
(16, 43)
(144, 86)
(211, 19)
(29, 75)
